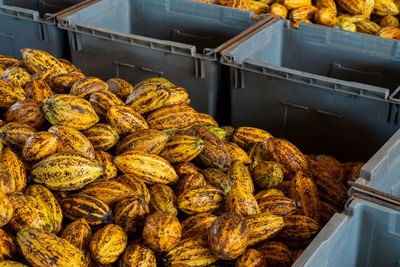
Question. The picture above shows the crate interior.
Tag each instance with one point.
(42, 6)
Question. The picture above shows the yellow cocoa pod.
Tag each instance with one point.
(389, 21)
(10, 94)
(38, 90)
(267, 174)
(353, 7)
(293, 4)
(155, 80)
(130, 214)
(148, 97)
(48, 204)
(42, 248)
(182, 148)
(108, 243)
(178, 96)
(263, 226)
(329, 162)
(78, 170)
(138, 255)
(102, 136)
(298, 227)
(78, 233)
(246, 137)
(241, 201)
(6, 209)
(303, 13)
(12, 172)
(150, 168)
(240, 175)
(37, 60)
(8, 247)
(221, 133)
(258, 7)
(162, 231)
(70, 111)
(280, 206)
(163, 199)
(389, 32)
(88, 85)
(197, 225)
(120, 87)
(110, 192)
(279, 10)
(102, 100)
(251, 257)
(93, 210)
(229, 235)
(331, 190)
(11, 264)
(179, 117)
(200, 199)
(368, 27)
(46, 76)
(138, 186)
(15, 134)
(385, 7)
(125, 120)
(276, 253)
(205, 120)
(40, 145)
(62, 83)
(16, 76)
(272, 192)
(242, 4)
(190, 252)
(186, 168)
(190, 181)
(8, 61)
(106, 160)
(27, 111)
(326, 16)
(68, 65)
(147, 140)
(326, 4)
(236, 153)
(218, 179)
(347, 25)
(297, 23)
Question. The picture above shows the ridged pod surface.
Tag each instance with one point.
(178, 96)
(78, 233)
(148, 140)
(155, 80)
(162, 231)
(251, 257)
(163, 198)
(331, 190)
(246, 137)
(106, 160)
(299, 227)
(229, 235)
(8, 247)
(263, 226)
(277, 205)
(130, 214)
(108, 243)
(12, 264)
(303, 13)
(110, 192)
(333, 165)
(190, 252)
(197, 225)
(8, 61)
(17, 76)
(16, 134)
(354, 7)
(276, 253)
(190, 181)
(200, 199)
(71, 139)
(38, 90)
(120, 87)
(94, 211)
(46, 76)
(88, 85)
(182, 148)
(389, 21)
(62, 83)
(240, 175)
(279, 10)
(37, 60)
(326, 4)
(326, 16)
(186, 168)
(125, 120)
(6, 209)
(241, 201)
(70, 111)
(385, 7)
(42, 248)
(48, 204)
(102, 100)
(218, 179)
(178, 116)
(138, 255)
(236, 153)
(242, 4)
(10, 94)
(386, 32)
(218, 131)
(266, 193)
(68, 65)
(12, 172)
(102, 136)
(148, 97)
(267, 174)
(150, 168)
(138, 187)
(205, 120)
(67, 171)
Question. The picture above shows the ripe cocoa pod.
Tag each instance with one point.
(6, 210)
(276, 253)
(78, 233)
(303, 13)
(12, 264)
(329, 162)
(298, 227)
(221, 133)
(280, 206)
(179, 117)
(246, 137)
(389, 21)
(267, 174)
(197, 225)
(68, 65)
(178, 96)
(163, 199)
(368, 27)
(12, 172)
(138, 255)
(16, 76)
(94, 211)
(10, 94)
(326, 16)
(155, 80)
(385, 7)
(236, 153)
(162, 231)
(279, 10)
(8, 247)
(352, 7)
(106, 160)
(251, 257)
(125, 120)
(330, 190)
(120, 87)
(130, 214)
(272, 192)
(263, 226)
(8, 61)
(38, 90)
(190, 181)
(102, 136)
(148, 97)
(327, 210)
(16, 134)
(84, 87)
(110, 192)
(386, 32)
(200, 199)
(62, 83)
(242, 4)
(320, 4)
(37, 60)
(108, 243)
(102, 100)
(147, 140)
(241, 201)
(182, 148)
(138, 187)
(240, 175)
(186, 168)
(205, 120)
(218, 179)
(28, 111)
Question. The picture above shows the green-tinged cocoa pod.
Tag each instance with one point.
(229, 235)
(106, 160)
(68, 65)
(102, 100)
(277, 205)
(190, 252)
(389, 21)
(218, 179)
(72, 140)
(299, 227)
(70, 111)
(40, 145)
(246, 137)
(179, 117)
(38, 90)
(102, 136)
(6, 209)
(220, 132)
(205, 120)
(163, 198)
(305, 193)
(27, 213)
(17, 76)
(276, 254)
(190, 181)
(186, 168)
(263, 226)
(182, 148)
(93, 210)
(138, 187)
(84, 87)
(120, 87)
(148, 97)
(229, 133)
(241, 201)
(197, 225)
(10, 94)
(16, 134)
(62, 83)
(236, 153)
(78, 233)
(48, 204)
(200, 199)
(12, 172)
(367, 26)
(150, 168)
(77, 169)
(8, 247)
(178, 96)
(147, 140)
(286, 154)
(138, 255)
(251, 258)
(272, 192)
(130, 214)
(110, 192)
(125, 120)
(37, 60)
(12, 264)
(240, 175)
(327, 210)
(162, 231)
(108, 243)
(267, 174)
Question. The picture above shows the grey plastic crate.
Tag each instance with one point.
(23, 24)
(366, 234)
(328, 91)
(138, 39)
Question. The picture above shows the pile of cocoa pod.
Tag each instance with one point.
(96, 173)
